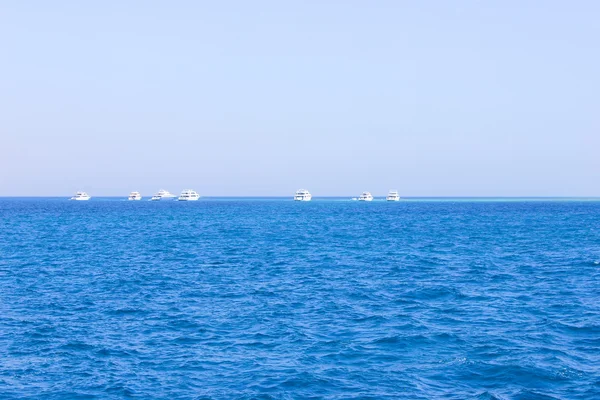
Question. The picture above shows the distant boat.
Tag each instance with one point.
(302, 195)
(393, 196)
(81, 196)
(134, 196)
(188, 195)
(365, 196)
(163, 195)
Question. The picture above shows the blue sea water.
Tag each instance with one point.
(271, 299)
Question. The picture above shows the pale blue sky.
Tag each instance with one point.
(433, 98)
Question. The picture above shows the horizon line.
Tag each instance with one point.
(328, 196)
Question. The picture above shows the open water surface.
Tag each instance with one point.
(271, 299)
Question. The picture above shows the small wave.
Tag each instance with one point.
(577, 330)
(533, 395)
(76, 345)
(371, 318)
(106, 352)
(388, 340)
(127, 311)
(435, 293)
(404, 341)
(121, 390)
(486, 396)
(187, 340)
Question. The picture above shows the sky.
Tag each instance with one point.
(251, 98)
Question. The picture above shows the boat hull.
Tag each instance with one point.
(163, 198)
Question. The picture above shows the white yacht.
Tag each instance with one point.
(365, 196)
(81, 196)
(393, 196)
(163, 195)
(134, 196)
(188, 195)
(302, 195)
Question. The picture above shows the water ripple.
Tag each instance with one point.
(270, 299)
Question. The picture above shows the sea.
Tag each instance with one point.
(267, 298)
